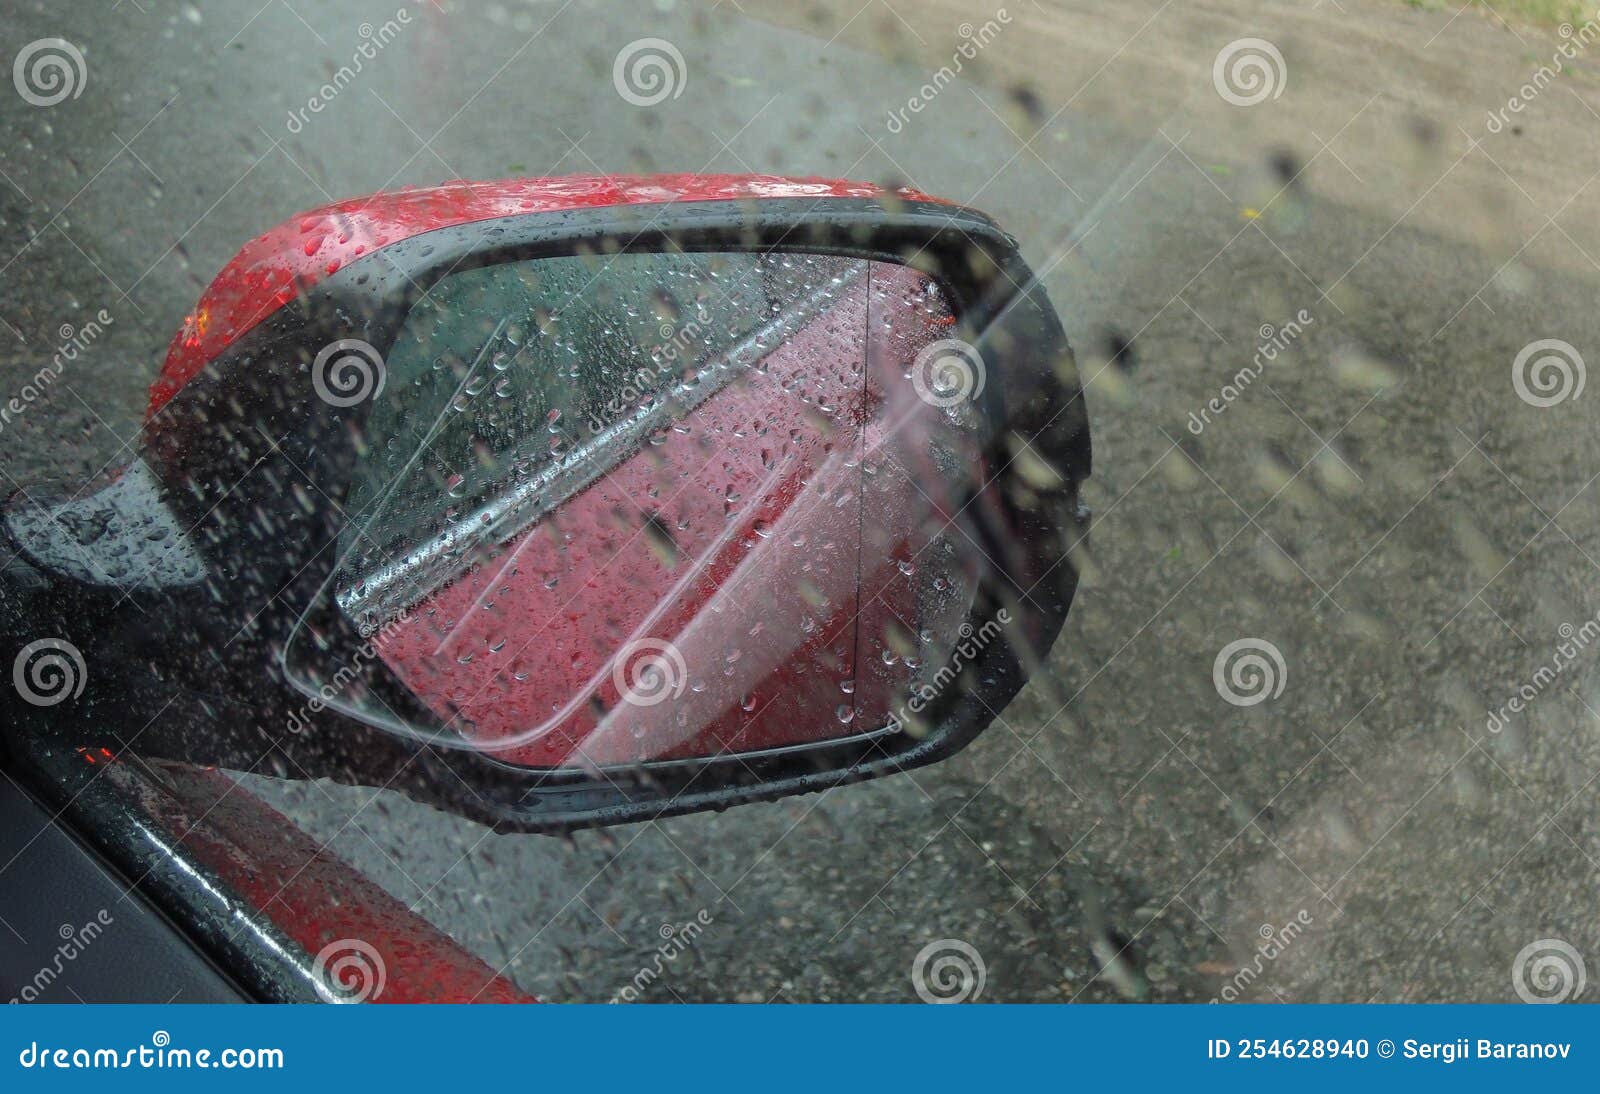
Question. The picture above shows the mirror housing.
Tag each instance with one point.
(252, 445)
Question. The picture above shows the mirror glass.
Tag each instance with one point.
(655, 506)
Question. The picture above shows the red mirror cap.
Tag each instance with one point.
(276, 266)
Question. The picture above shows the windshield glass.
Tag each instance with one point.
(1329, 681)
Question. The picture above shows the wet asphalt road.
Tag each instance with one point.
(1380, 507)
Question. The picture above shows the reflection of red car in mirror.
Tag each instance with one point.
(730, 566)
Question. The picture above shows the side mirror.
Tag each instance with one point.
(559, 505)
